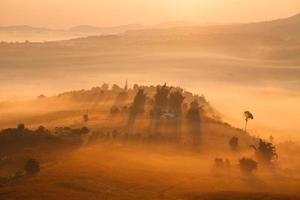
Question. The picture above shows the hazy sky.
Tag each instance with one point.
(66, 13)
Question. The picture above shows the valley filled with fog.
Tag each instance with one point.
(233, 77)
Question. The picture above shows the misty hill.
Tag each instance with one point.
(275, 40)
(36, 34)
(110, 109)
(93, 30)
(23, 29)
(275, 32)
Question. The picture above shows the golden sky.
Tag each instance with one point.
(67, 13)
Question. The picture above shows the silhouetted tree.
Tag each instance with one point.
(137, 107)
(175, 102)
(221, 164)
(234, 143)
(194, 120)
(138, 102)
(41, 130)
(247, 165)
(121, 98)
(21, 127)
(84, 130)
(104, 87)
(86, 117)
(176, 99)
(160, 104)
(115, 88)
(41, 96)
(265, 152)
(114, 110)
(136, 87)
(32, 166)
(248, 115)
(161, 99)
(271, 138)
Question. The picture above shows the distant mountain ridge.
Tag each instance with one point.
(103, 30)
(23, 28)
(39, 34)
(287, 27)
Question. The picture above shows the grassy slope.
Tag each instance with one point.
(113, 172)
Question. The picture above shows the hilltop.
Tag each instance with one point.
(109, 110)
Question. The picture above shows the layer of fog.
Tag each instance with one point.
(269, 89)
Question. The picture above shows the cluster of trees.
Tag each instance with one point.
(264, 154)
(20, 138)
(18, 143)
(165, 107)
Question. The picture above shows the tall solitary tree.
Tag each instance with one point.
(176, 99)
(137, 107)
(160, 105)
(175, 102)
(194, 120)
(248, 115)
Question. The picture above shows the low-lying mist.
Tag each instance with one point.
(231, 84)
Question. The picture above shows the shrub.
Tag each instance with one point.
(247, 165)
(21, 127)
(265, 152)
(32, 166)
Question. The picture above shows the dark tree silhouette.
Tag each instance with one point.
(160, 105)
(248, 115)
(137, 107)
(114, 110)
(138, 102)
(194, 121)
(121, 98)
(221, 164)
(115, 88)
(21, 127)
(176, 99)
(41, 130)
(86, 117)
(32, 166)
(265, 152)
(104, 87)
(161, 99)
(247, 165)
(175, 102)
(234, 143)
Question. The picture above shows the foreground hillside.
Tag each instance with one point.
(145, 142)
(107, 171)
